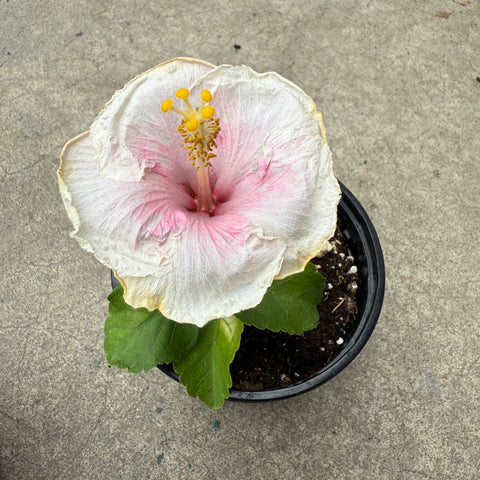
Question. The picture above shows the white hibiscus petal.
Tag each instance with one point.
(273, 165)
(130, 226)
(132, 133)
(220, 266)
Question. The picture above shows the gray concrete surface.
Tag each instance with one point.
(397, 86)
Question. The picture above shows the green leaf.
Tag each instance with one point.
(290, 304)
(205, 371)
(138, 339)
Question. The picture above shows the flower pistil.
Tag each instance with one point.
(199, 129)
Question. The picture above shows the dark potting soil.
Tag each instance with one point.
(267, 360)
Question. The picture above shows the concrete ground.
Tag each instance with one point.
(398, 85)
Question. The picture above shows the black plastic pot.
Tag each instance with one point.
(363, 244)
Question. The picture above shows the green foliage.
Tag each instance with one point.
(289, 304)
(138, 339)
(205, 370)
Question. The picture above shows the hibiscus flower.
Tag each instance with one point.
(199, 185)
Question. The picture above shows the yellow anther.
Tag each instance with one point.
(206, 96)
(208, 112)
(198, 129)
(182, 94)
(166, 105)
(192, 125)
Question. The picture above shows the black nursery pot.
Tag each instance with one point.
(363, 244)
